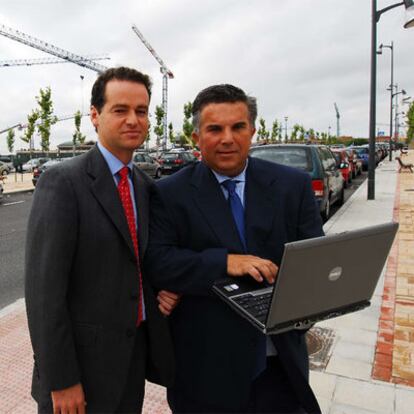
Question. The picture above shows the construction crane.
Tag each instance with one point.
(337, 120)
(46, 61)
(166, 74)
(48, 48)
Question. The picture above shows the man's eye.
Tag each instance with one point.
(119, 111)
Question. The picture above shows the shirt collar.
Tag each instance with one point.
(113, 162)
(240, 178)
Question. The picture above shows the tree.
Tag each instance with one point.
(78, 137)
(301, 133)
(185, 136)
(410, 123)
(294, 133)
(171, 135)
(262, 133)
(275, 131)
(31, 126)
(10, 139)
(158, 127)
(47, 119)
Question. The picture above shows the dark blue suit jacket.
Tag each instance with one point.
(191, 233)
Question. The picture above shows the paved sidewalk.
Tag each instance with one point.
(368, 364)
(16, 182)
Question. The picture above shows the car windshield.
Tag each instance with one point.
(290, 156)
(361, 151)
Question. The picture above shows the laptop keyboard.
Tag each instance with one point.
(257, 306)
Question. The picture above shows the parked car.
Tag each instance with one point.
(173, 161)
(147, 164)
(343, 164)
(1, 188)
(4, 168)
(318, 161)
(34, 162)
(8, 161)
(37, 171)
(355, 161)
(363, 154)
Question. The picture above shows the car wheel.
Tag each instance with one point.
(4, 172)
(327, 210)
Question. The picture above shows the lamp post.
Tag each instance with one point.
(391, 47)
(286, 136)
(376, 15)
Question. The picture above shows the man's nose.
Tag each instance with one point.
(227, 136)
(132, 118)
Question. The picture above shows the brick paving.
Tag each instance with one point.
(394, 357)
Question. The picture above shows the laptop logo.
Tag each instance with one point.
(335, 274)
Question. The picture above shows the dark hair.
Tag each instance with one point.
(221, 94)
(120, 73)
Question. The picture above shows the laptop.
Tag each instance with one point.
(318, 279)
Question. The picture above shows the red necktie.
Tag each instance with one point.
(125, 195)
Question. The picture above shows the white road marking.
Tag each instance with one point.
(15, 202)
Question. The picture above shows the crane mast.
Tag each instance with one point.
(49, 48)
(46, 61)
(166, 74)
(337, 120)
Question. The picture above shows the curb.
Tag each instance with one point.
(25, 190)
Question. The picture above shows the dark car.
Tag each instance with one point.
(363, 154)
(1, 188)
(318, 161)
(37, 171)
(173, 161)
(147, 164)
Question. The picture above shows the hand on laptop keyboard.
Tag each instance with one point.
(256, 267)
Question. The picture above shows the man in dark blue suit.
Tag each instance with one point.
(230, 215)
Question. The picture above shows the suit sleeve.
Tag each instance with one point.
(50, 247)
(175, 268)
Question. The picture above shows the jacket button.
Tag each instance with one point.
(130, 332)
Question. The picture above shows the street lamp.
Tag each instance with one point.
(379, 52)
(376, 15)
(286, 136)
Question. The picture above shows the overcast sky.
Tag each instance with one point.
(297, 57)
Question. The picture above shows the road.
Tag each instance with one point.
(14, 212)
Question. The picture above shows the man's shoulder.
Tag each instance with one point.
(179, 179)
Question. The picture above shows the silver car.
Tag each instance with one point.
(147, 164)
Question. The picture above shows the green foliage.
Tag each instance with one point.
(78, 137)
(275, 135)
(410, 123)
(262, 132)
(185, 136)
(10, 140)
(295, 131)
(47, 119)
(171, 135)
(158, 127)
(31, 125)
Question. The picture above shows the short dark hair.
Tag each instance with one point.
(221, 94)
(121, 73)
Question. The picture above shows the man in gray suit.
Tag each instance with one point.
(96, 327)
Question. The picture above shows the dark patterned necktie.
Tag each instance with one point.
(125, 195)
(236, 209)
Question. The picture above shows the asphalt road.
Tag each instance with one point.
(14, 212)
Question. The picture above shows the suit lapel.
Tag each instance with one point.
(261, 204)
(212, 204)
(142, 204)
(106, 193)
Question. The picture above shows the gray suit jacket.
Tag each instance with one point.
(82, 283)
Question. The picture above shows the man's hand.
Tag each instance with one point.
(167, 301)
(257, 268)
(69, 400)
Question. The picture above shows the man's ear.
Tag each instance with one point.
(195, 137)
(94, 115)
